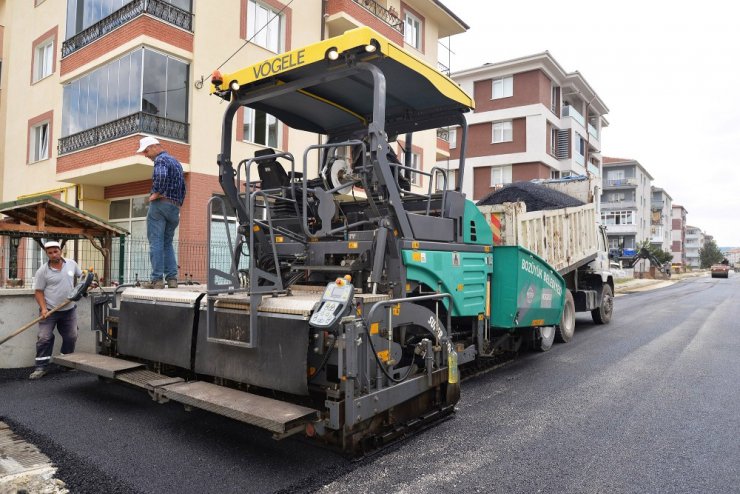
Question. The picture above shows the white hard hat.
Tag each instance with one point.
(145, 142)
(52, 243)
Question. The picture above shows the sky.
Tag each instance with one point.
(669, 72)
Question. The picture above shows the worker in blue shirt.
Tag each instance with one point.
(165, 200)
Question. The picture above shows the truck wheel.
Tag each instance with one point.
(603, 313)
(566, 328)
(544, 338)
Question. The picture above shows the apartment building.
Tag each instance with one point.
(626, 203)
(694, 243)
(83, 80)
(678, 234)
(661, 205)
(533, 120)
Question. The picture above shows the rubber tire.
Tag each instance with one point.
(567, 327)
(603, 313)
(544, 338)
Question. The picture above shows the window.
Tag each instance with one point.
(502, 131)
(452, 137)
(618, 217)
(554, 174)
(503, 87)
(261, 128)
(416, 165)
(39, 145)
(264, 26)
(43, 60)
(412, 30)
(143, 80)
(615, 175)
(130, 213)
(497, 175)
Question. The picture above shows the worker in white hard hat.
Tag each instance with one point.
(52, 284)
(163, 215)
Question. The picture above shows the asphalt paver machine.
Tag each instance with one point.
(354, 294)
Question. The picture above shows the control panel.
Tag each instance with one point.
(335, 303)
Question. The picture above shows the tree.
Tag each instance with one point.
(663, 256)
(710, 254)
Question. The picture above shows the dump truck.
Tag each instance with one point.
(557, 220)
(353, 301)
(721, 269)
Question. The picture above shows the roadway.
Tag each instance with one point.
(646, 404)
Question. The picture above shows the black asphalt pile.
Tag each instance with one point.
(536, 197)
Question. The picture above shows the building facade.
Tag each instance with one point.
(694, 243)
(81, 84)
(661, 205)
(533, 120)
(678, 234)
(626, 203)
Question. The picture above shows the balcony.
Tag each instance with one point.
(156, 8)
(657, 205)
(621, 229)
(618, 205)
(569, 111)
(620, 182)
(132, 124)
(390, 17)
(594, 133)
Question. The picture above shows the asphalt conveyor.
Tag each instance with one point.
(279, 417)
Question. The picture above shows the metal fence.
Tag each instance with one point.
(129, 260)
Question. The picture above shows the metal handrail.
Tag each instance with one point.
(382, 13)
(121, 127)
(158, 8)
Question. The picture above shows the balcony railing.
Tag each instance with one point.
(390, 17)
(620, 182)
(594, 133)
(657, 204)
(443, 134)
(157, 8)
(618, 204)
(569, 111)
(132, 124)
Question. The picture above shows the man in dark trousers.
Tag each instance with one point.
(165, 200)
(53, 282)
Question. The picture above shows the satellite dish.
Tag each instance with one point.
(337, 173)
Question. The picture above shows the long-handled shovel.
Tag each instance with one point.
(77, 293)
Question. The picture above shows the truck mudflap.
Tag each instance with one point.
(279, 417)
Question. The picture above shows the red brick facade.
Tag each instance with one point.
(529, 88)
(116, 150)
(529, 171)
(364, 17)
(142, 26)
(480, 137)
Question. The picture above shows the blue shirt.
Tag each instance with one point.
(168, 179)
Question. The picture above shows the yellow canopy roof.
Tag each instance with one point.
(418, 96)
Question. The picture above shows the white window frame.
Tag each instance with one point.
(412, 28)
(38, 146)
(452, 137)
(416, 165)
(249, 114)
(502, 131)
(615, 175)
(259, 15)
(43, 59)
(497, 176)
(502, 87)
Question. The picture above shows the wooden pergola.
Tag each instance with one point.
(44, 217)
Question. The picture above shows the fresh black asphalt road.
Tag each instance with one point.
(649, 403)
